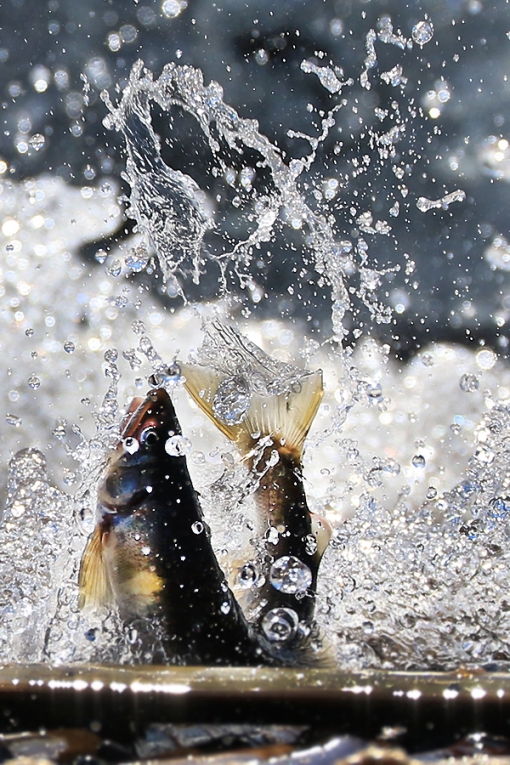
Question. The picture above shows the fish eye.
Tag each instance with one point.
(149, 436)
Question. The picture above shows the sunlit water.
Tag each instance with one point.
(408, 462)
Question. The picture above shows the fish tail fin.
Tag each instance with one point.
(285, 416)
(94, 582)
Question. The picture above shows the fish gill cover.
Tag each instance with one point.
(408, 462)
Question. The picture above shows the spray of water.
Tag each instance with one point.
(415, 575)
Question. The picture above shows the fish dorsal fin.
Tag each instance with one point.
(94, 581)
(285, 417)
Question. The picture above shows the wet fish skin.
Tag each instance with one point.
(286, 526)
(269, 430)
(151, 553)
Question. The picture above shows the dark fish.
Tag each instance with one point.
(150, 553)
(267, 408)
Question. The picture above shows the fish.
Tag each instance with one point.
(266, 408)
(150, 555)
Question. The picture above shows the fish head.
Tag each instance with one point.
(132, 470)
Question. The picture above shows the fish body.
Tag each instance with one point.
(150, 553)
(266, 408)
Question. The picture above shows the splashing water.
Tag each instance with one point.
(409, 463)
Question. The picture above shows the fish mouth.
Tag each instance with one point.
(155, 406)
(154, 411)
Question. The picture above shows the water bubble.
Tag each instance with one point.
(69, 347)
(431, 492)
(280, 624)
(130, 445)
(422, 32)
(197, 527)
(288, 574)
(146, 550)
(469, 383)
(225, 607)
(34, 382)
(101, 256)
(29, 332)
(232, 400)
(91, 634)
(248, 575)
(37, 141)
(177, 446)
(11, 419)
(418, 461)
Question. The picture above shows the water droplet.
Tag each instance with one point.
(248, 575)
(34, 382)
(111, 356)
(197, 527)
(311, 544)
(69, 476)
(115, 268)
(130, 445)
(69, 347)
(91, 634)
(288, 574)
(11, 419)
(177, 446)
(101, 256)
(469, 383)
(138, 327)
(146, 550)
(225, 607)
(280, 624)
(18, 508)
(232, 400)
(29, 332)
(423, 32)
(137, 258)
(172, 8)
(172, 373)
(418, 461)
(431, 492)
(272, 535)
(484, 454)
(37, 141)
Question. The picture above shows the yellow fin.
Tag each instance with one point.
(95, 586)
(286, 417)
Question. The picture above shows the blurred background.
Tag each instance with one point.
(451, 92)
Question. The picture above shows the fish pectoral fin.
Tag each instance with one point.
(322, 531)
(94, 582)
